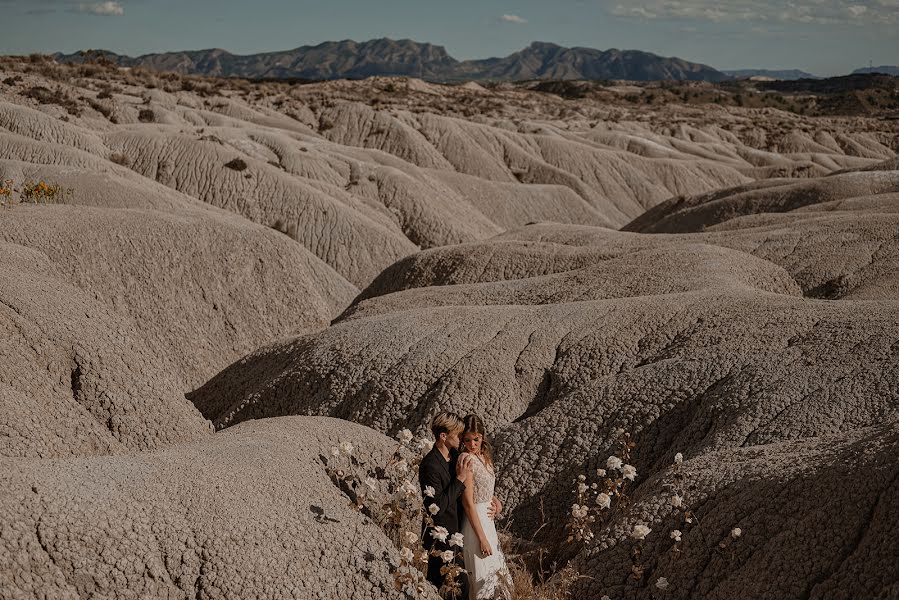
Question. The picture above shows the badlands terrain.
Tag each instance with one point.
(234, 277)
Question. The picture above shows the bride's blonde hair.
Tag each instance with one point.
(474, 424)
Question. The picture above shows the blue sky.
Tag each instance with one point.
(824, 37)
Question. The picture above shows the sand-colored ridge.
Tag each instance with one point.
(204, 289)
(73, 375)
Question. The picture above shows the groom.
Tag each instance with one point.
(441, 475)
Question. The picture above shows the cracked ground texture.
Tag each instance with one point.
(74, 376)
(250, 514)
(817, 520)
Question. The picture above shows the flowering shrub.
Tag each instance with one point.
(595, 500)
(601, 501)
(40, 192)
(5, 191)
(389, 495)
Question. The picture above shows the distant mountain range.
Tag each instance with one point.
(349, 59)
(835, 85)
(885, 69)
(785, 74)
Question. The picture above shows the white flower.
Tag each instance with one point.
(335, 451)
(613, 463)
(439, 533)
(581, 488)
(401, 465)
(408, 488)
(736, 532)
(629, 472)
(578, 511)
(678, 458)
(594, 486)
(677, 501)
(600, 472)
(448, 556)
(346, 448)
(662, 583)
(604, 500)
(371, 483)
(433, 509)
(430, 491)
(409, 537)
(605, 597)
(456, 540)
(640, 531)
(675, 534)
(425, 445)
(405, 436)
(582, 478)
(406, 555)
(423, 557)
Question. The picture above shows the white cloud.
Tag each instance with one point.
(513, 19)
(810, 12)
(105, 9)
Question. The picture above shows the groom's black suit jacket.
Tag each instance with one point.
(437, 472)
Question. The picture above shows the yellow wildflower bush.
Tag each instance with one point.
(5, 192)
(40, 192)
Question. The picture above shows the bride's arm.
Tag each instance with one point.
(472, 513)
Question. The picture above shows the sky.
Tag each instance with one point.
(823, 37)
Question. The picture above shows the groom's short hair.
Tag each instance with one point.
(446, 422)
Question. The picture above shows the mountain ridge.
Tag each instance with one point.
(348, 59)
(782, 74)
(882, 69)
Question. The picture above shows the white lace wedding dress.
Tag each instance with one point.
(488, 576)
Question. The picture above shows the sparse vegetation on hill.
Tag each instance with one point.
(35, 192)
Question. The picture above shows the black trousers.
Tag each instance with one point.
(435, 563)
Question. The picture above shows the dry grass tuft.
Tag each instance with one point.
(526, 586)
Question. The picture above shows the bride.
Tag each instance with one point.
(487, 573)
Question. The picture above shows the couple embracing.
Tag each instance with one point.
(457, 479)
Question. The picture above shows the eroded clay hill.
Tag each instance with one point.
(763, 348)
(115, 308)
(249, 514)
(720, 283)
